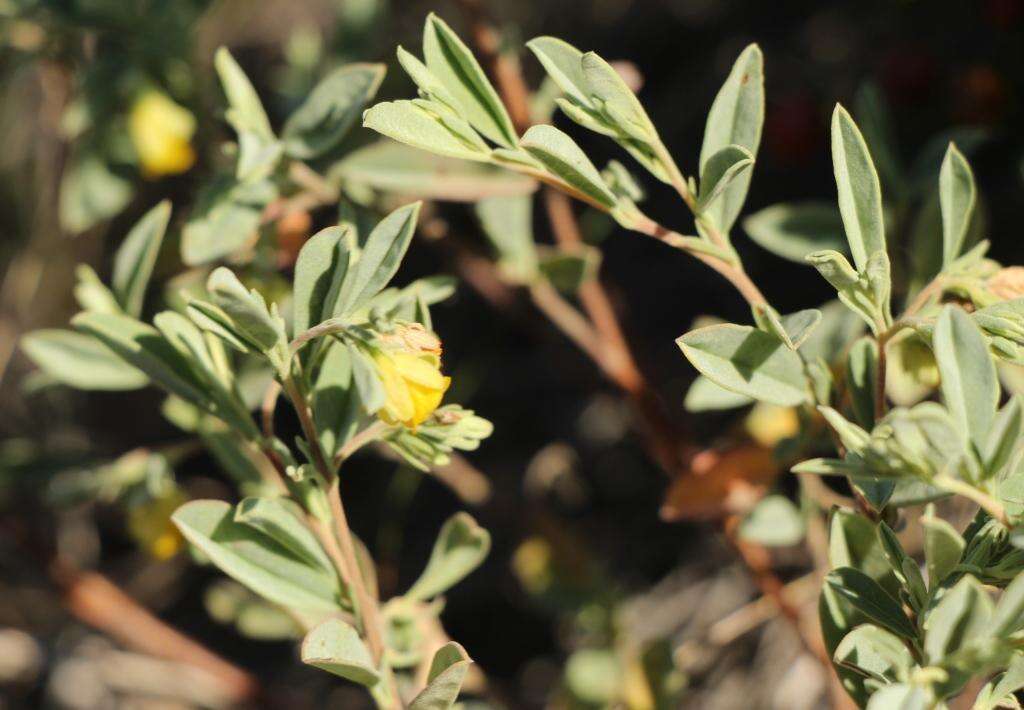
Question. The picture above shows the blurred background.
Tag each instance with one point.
(610, 583)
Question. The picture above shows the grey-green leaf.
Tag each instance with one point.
(721, 169)
(793, 230)
(409, 123)
(747, 361)
(861, 378)
(246, 108)
(563, 63)
(334, 646)
(943, 547)
(507, 222)
(379, 259)
(281, 520)
(142, 346)
(319, 271)
(957, 197)
(868, 597)
(460, 548)
(80, 361)
(444, 680)
(860, 194)
(970, 387)
(255, 560)
(451, 61)
(329, 111)
(561, 156)
(135, 258)
(736, 118)
(705, 396)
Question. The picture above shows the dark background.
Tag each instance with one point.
(939, 64)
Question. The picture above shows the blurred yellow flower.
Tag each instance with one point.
(413, 384)
(151, 526)
(161, 130)
(768, 424)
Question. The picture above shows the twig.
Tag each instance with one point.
(358, 441)
(97, 601)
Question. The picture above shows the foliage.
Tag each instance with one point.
(896, 636)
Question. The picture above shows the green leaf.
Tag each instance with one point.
(92, 294)
(860, 195)
(508, 224)
(412, 124)
(334, 646)
(853, 542)
(281, 519)
(614, 100)
(875, 653)
(255, 560)
(904, 567)
(460, 548)
(320, 270)
(747, 361)
(379, 259)
(564, 64)
(902, 696)
(90, 193)
(943, 547)
(246, 311)
(868, 597)
(245, 105)
(444, 680)
(225, 220)
(450, 60)
(794, 230)
(999, 692)
(142, 347)
(963, 615)
(736, 118)
(861, 379)
(705, 396)
(134, 260)
(258, 149)
(331, 108)
(560, 155)
(568, 269)
(970, 387)
(401, 170)
(336, 404)
(1005, 437)
(957, 197)
(366, 379)
(80, 361)
(720, 170)
(1008, 616)
(774, 522)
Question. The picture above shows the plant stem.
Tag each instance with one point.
(733, 272)
(880, 376)
(983, 499)
(358, 441)
(345, 556)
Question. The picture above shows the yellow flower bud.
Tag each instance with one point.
(413, 385)
(161, 130)
(151, 526)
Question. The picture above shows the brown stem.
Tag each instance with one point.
(359, 441)
(95, 600)
(734, 273)
(347, 561)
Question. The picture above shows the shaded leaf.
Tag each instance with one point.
(460, 548)
(747, 361)
(80, 361)
(334, 646)
(135, 258)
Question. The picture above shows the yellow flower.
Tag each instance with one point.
(413, 384)
(151, 526)
(161, 130)
(768, 424)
